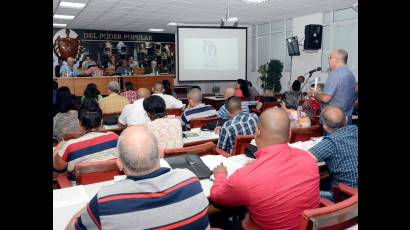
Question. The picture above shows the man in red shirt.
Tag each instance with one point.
(278, 186)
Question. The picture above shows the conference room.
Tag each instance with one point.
(216, 114)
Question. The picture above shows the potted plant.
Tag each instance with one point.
(215, 89)
(270, 75)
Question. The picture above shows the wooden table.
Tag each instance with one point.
(215, 102)
(78, 84)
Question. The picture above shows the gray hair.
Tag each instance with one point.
(342, 55)
(138, 150)
(196, 95)
(334, 117)
(114, 86)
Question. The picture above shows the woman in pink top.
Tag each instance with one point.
(241, 88)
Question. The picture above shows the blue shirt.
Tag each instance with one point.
(341, 85)
(339, 150)
(223, 112)
(70, 70)
(243, 123)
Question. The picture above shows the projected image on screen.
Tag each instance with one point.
(211, 54)
(208, 54)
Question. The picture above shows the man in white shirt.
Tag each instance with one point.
(134, 114)
(170, 101)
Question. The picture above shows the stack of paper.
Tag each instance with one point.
(232, 163)
(69, 196)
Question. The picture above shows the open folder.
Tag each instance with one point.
(192, 162)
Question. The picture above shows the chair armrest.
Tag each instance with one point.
(63, 181)
(222, 152)
(345, 189)
(254, 110)
(325, 202)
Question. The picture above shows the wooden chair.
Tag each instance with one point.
(240, 144)
(333, 216)
(110, 115)
(91, 172)
(201, 150)
(175, 112)
(304, 134)
(199, 122)
(138, 71)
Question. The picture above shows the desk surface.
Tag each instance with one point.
(203, 136)
(215, 98)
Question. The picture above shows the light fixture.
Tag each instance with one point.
(227, 20)
(172, 24)
(75, 5)
(59, 25)
(255, 1)
(156, 30)
(68, 17)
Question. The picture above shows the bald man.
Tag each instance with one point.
(340, 86)
(276, 187)
(170, 101)
(196, 109)
(223, 112)
(150, 197)
(339, 149)
(134, 114)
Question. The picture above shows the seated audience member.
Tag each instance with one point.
(132, 63)
(223, 112)
(241, 123)
(170, 101)
(55, 87)
(113, 103)
(241, 88)
(88, 62)
(62, 93)
(129, 92)
(339, 149)
(196, 87)
(134, 113)
(58, 66)
(276, 187)
(94, 71)
(311, 105)
(298, 119)
(152, 69)
(124, 69)
(67, 119)
(92, 145)
(167, 88)
(184, 207)
(293, 96)
(252, 91)
(91, 91)
(167, 130)
(68, 69)
(196, 109)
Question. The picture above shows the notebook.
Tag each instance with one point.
(192, 162)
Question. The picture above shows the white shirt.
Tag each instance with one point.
(134, 114)
(170, 101)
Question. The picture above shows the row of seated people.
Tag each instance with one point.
(270, 205)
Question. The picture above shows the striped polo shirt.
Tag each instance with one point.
(164, 199)
(198, 111)
(93, 146)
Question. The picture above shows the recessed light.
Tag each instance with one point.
(156, 30)
(76, 5)
(172, 24)
(59, 25)
(255, 1)
(68, 17)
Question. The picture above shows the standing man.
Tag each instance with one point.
(339, 88)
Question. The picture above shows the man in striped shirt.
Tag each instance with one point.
(223, 112)
(150, 197)
(241, 123)
(196, 109)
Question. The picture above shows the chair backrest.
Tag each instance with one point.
(138, 71)
(341, 215)
(199, 122)
(241, 143)
(110, 115)
(176, 112)
(202, 149)
(304, 134)
(97, 171)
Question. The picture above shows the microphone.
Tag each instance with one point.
(317, 69)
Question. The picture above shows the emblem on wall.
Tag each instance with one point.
(65, 47)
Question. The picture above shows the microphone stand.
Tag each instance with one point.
(310, 75)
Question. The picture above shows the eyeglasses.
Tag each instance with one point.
(330, 57)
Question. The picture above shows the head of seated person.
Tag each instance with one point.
(333, 118)
(113, 87)
(167, 87)
(194, 98)
(233, 105)
(298, 119)
(158, 88)
(91, 91)
(229, 92)
(90, 115)
(155, 107)
(273, 128)
(242, 89)
(128, 86)
(196, 87)
(296, 86)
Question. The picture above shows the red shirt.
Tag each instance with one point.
(238, 93)
(276, 188)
